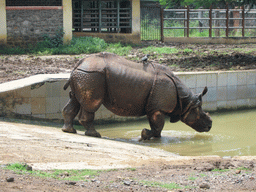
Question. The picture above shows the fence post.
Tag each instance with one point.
(227, 29)
(185, 24)
(210, 21)
(243, 21)
(217, 24)
(187, 21)
(200, 22)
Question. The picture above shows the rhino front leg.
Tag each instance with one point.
(69, 112)
(156, 121)
(86, 119)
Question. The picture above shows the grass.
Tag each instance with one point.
(159, 50)
(72, 175)
(81, 175)
(17, 167)
(192, 178)
(220, 170)
(131, 169)
(162, 185)
(119, 49)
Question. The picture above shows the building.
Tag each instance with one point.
(26, 21)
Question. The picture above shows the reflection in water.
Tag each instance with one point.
(233, 133)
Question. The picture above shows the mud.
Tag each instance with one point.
(191, 57)
(128, 167)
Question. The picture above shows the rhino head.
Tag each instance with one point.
(194, 116)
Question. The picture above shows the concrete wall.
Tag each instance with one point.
(3, 31)
(112, 37)
(29, 26)
(208, 40)
(42, 96)
(67, 20)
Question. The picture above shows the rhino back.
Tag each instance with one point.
(93, 63)
(127, 89)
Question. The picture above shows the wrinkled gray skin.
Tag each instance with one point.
(131, 89)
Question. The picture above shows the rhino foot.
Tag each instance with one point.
(68, 129)
(92, 133)
(146, 134)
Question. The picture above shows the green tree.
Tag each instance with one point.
(207, 3)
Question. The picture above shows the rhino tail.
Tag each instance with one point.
(77, 65)
(66, 85)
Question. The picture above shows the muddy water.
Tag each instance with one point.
(233, 133)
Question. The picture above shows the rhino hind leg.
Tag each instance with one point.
(86, 119)
(156, 121)
(69, 113)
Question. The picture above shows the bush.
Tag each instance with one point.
(52, 42)
(81, 45)
(54, 45)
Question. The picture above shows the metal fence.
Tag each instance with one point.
(151, 22)
(209, 22)
(102, 16)
(157, 23)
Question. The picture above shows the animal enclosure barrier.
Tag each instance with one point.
(209, 22)
(111, 16)
(151, 22)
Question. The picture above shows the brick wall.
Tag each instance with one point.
(29, 26)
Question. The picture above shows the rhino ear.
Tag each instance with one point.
(204, 91)
(202, 94)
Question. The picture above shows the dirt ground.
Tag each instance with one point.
(201, 58)
(130, 167)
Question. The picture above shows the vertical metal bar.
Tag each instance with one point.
(243, 23)
(185, 24)
(82, 15)
(187, 21)
(200, 16)
(100, 16)
(130, 16)
(141, 23)
(227, 28)
(162, 23)
(146, 26)
(217, 24)
(210, 21)
(118, 16)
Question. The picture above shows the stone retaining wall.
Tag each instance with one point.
(42, 96)
(29, 26)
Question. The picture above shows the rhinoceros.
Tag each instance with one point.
(127, 88)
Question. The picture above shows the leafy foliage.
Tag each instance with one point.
(206, 3)
(55, 41)
(54, 46)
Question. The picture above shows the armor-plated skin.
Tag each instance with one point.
(127, 88)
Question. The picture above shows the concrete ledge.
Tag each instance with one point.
(42, 96)
(209, 40)
(33, 80)
(113, 37)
